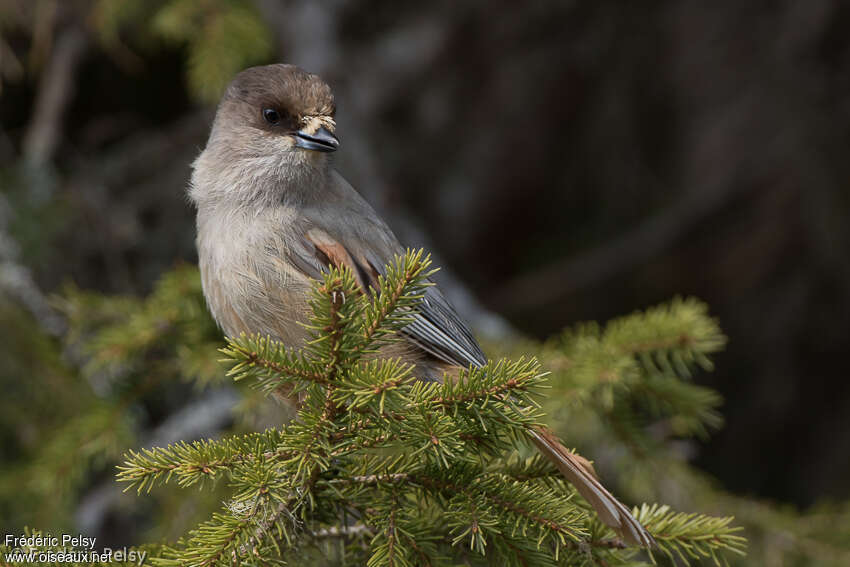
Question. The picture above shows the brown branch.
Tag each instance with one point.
(370, 479)
(343, 531)
(56, 89)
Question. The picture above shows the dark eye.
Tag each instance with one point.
(271, 115)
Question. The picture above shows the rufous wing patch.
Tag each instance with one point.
(331, 251)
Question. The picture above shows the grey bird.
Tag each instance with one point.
(272, 215)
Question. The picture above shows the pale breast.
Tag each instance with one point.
(248, 285)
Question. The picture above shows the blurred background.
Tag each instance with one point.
(564, 160)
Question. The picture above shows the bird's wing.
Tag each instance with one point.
(436, 328)
(440, 331)
(365, 245)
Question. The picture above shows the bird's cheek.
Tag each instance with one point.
(281, 143)
(288, 140)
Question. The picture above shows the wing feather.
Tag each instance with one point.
(437, 329)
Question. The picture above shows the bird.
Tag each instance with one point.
(273, 215)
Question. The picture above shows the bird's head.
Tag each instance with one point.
(271, 138)
(277, 110)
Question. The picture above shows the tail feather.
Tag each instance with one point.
(580, 473)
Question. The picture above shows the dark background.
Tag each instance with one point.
(566, 160)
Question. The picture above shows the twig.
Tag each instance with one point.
(55, 92)
(343, 531)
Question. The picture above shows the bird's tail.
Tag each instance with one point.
(580, 473)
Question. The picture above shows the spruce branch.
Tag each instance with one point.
(269, 363)
(425, 470)
(689, 409)
(533, 510)
(635, 373)
(499, 396)
(670, 339)
(261, 516)
(687, 537)
(119, 334)
(504, 380)
(192, 463)
(337, 304)
(385, 548)
(398, 293)
(375, 387)
(521, 469)
(543, 511)
(224, 539)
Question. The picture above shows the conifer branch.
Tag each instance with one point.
(398, 293)
(680, 328)
(671, 339)
(686, 537)
(500, 393)
(337, 304)
(268, 362)
(192, 463)
(520, 381)
(486, 488)
(336, 297)
(405, 459)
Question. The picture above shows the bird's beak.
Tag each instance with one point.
(322, 140)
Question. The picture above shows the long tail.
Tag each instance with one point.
(580, 473)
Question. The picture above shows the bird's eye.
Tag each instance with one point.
(271, 115)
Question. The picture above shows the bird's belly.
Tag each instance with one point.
(244, 297)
